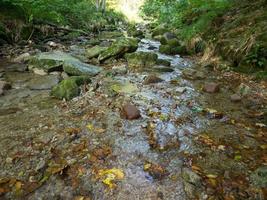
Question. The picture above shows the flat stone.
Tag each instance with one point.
(131, 112)
(180, 89)
(119, 70)
(211, 87)
(22, 58)
(193, 74)
(40, 72)
(235, 98)
(43, 82)
(152, 79)
(77, 68)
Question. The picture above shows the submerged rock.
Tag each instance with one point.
(43, 82)
(141, 59)
(211, 87)
(131, 112)
(119, 48)
(4, 86)
(163, 62)
(193, 74)
(69, 88)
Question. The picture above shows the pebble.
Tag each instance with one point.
(235, 98)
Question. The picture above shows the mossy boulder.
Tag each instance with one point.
(119, 48)
(95, 51)
(166, 37)
(172, 50)
(141, 59)
(69, 88)
(57, 61)
(163, 62)
(133, 32)
(110, 35)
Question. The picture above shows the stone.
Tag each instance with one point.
(162, 69)
(259, 177)
(158, 31)
(119, 70)
(180, 89)
(131, 112)
(152, 79)
(22, 58)
(16, 67)
(192, 74)
(235, 98)
(4, 86)
(211, 87)
(64, 75)
(69, 88)
(119, 48)
(172, 49)
(40, 72)
(163, 62)
(94, 51)
(77, 68)
(141, 59)
(110, 35)
(243, 89)
(43, 82)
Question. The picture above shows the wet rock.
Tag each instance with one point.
(120, 70)
(192, 74)
(259, 177)
(131, 112)
(69, 88)
(43, 82)
(64, 75)
(16, 67)
(163, 62)
(77, 68)
(180, 89)
(4, 86)
(119, 48)
(22, 58)
(95, 51)
(211, 87)
(152, 79)
(141, 59)
(235, 98)
(162, 69)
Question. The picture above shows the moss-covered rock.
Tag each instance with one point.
(95, 51)
(69, 88)
(57, 60)
(133, 32)
(163, 62)
(110, 35)
(167, 49)
(119, 48)
(141, 59)
(159, 30)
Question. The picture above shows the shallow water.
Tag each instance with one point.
(55, 148)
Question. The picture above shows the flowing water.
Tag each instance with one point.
(53, 149)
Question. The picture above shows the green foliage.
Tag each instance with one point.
(191, 17)
(76, 13)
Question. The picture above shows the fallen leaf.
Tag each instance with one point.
(111, 175)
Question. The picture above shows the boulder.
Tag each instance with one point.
(77, 68)
(22, 58)
(95, 51)
(57, 60)
(119, 48)
(172, 49)
(110, 35)
(141, 59)
(69, 88)
(131, 112)
(158, 31)
(163, 62)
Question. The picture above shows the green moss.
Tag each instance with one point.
(141, 59)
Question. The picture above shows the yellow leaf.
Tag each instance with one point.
(90, 127)
(147, 166)
(212, 176)
(110, 176)
(18, 185)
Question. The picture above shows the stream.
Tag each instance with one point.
(187, 144)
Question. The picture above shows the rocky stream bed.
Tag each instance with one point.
(169, 129)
